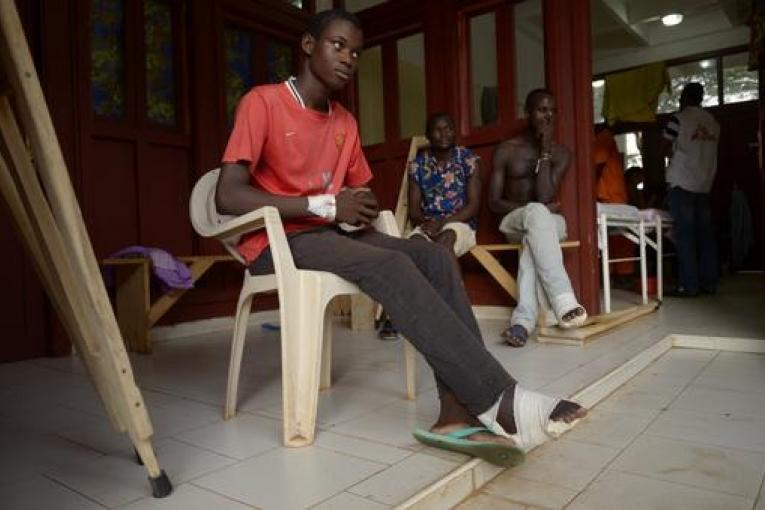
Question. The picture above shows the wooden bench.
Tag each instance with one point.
(483, 253)
(135, 312)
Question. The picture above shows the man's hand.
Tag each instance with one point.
(356, 206)
(544, 139)
(554, 207)
(432, 227)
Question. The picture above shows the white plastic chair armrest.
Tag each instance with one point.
(386, 223)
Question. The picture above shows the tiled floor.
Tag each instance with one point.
(687, 432)
(690, 430)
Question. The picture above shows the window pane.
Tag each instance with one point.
(701, 71)
(411, 85)
(598, 88)
(629, 146)
(529, 51)
(739, 84)
(371, 111)
(360, 5)
(483, 69)
(107, 58)
(278, 61)
(238, 50)
(160, 64)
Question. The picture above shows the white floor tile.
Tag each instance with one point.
(608, 428)
(631, 492)
(567, 463)
(39, 493)
(26, 454)
(289, 478)
(187, 497)
(703, 466)
(186, 462)
(362, 448)
(241, 437)
(527, 492)
(110, 480)
(340, 404)
(387, 426)
(714, 429)
(721, 402)
(399, 482)
(347, 501)
(483, 501)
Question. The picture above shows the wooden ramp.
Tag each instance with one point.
(594, 326)
(39, 195)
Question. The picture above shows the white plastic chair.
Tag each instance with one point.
(306, 325)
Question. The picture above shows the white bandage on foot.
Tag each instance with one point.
(489, 419)
(322, 206)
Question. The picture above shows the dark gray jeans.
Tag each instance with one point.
(418, 285)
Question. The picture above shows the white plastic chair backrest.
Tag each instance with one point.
(402, 205)
(204, 213)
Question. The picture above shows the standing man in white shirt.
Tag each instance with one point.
(691, 137)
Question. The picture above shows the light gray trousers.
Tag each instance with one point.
(542, 278)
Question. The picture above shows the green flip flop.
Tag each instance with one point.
(496, 453)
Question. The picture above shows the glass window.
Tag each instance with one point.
(107, 58)
(278, 61)
(360, 5)
(598, 88)
(701, 71)
(483, 69)
(629, 146)
(239, 78)
(739, 83)
(411, 85)
(160, 62)
(529, 51)
(371, 107)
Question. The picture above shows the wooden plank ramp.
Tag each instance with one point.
(594, 326)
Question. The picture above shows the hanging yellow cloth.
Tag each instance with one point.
(632, 96)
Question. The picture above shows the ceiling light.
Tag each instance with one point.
(670, 20)
(706, 64)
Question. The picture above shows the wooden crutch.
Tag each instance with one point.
(54, 233)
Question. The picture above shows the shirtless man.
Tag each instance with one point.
(525, 181)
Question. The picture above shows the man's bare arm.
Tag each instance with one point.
(550, 175)
(497, 202)
(236, 196)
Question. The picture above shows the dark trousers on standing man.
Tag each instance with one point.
(695, 240)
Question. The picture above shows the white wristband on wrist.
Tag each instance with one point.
(322, 206)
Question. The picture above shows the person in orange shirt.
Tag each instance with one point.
(609, 168)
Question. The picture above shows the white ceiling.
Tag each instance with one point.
(626, 33)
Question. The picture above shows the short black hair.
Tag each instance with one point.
(434, 118)
(535, 96)
(693, 94)
(319, 22)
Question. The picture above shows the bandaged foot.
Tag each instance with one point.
(569, 312)
(530, 418)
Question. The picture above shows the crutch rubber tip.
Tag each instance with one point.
(161, 486)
